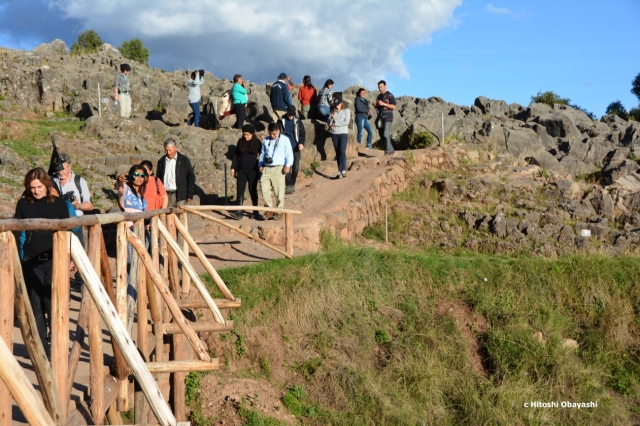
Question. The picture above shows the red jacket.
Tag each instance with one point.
(307, 95)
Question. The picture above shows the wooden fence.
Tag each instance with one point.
(153, 276)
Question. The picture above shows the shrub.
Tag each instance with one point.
(88, 42)
(616, 108)
(634, 114)
(416, 140)
(549, 98)
(135, 50)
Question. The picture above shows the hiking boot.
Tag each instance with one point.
(339, 176)
(237, 214)
(258, 216)
(289, 190)
(344, 173)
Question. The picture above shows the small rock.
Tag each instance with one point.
(538, 336)
(569, 344)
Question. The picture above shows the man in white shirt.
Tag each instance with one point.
(175, 171)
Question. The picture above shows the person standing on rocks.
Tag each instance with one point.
(280, 97)
(175, 171)
(307, 96)
(155, 194)
(325, 100)
(276, 158)
(244, 167)
(385, 103)
(193, 96)
(239, 99)
(339, 127)
(123, 90)
(292, 128)
(363, 115)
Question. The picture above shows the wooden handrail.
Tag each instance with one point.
(243, 208)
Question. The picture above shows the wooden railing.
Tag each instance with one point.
(153, 283)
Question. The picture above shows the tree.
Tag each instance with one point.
(634, 114)
(616, 108)
(88, 42)
(549, 98)
(135, 50)
(635, 86)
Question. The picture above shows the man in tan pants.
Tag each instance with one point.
(276, 158)
(123, 91)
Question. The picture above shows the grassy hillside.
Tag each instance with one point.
(358, 336)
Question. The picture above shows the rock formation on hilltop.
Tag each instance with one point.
(563, 145)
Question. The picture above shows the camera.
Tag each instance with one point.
(69, 196)
(129, 178)
(268, 160)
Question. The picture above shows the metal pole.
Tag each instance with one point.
(442, 117)
(226, 196)
(99, 102)
(386, 222)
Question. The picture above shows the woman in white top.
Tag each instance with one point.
(339, 127)
(193, 95)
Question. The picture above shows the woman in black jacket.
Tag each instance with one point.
(39, 202)
(245, 168)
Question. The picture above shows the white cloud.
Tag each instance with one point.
(498, 10)
(357, 41)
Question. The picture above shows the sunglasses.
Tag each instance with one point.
(136, 174)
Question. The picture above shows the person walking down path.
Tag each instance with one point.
(175, 171)
(293, 128)
(123, 90)
(307, 96)
(339, 127)
(36, 247)
(275, 162)
(244, 167)
(193, 95)
(363, 115)
(325, 100)
(239, 99)
(385, 103)
(280, 97)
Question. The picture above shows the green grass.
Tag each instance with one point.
(34, 139)
(377, 350)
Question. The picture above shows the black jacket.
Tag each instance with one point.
(185, 178)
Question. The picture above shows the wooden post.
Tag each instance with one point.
(21, 389)
(203, 259)
(288, 232)
(187, 269)
(143, 337)
(60, 295)
(186, 281)
(121, 304)
(33, 344)
(78, 341)
(132, 286)
(178, 317)
(121, 368)
(174, 283)
(96, 352)
(110, 316)
(154, 303)
(7, 289)
(238, 230)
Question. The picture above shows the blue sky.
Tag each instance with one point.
(586, 50)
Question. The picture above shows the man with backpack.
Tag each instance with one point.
(280, 97)
(155, 195)
(71, 187)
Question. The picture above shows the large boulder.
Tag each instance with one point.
(55, 51)
(558, 125)
(546, 161)
(522, 142)
(490, 106)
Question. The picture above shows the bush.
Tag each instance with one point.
(549, 98)
(88, 42)
(635, 86)
(135, 50)
(634, 114)
(616, 108)
(416, 140)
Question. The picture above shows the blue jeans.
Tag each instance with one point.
(340, 145)
(361, 121)
(324, 111)
(195, 119)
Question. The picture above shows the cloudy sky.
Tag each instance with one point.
(586, 50)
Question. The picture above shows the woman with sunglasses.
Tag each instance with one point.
(131, 189)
